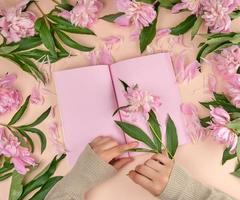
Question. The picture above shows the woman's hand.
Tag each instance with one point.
(154, 174)
(109, 150)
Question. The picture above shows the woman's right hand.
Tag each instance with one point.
(109, 151)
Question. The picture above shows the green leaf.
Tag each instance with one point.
(235, 39)
(142, 150)
(112, 17)
(120, 108)
(227, 106)
(42, 193)
(147, 35)
(146, 1)
(221, 97)
(27, 43)
(136, 133)
(40, 134)
(46, 35)
(218, 40)
(42, 55)
(235, 14)
(227, 156)
(207, 49)
(16, 186)
(172, 138)
(155, 129)
(184, 26)
(71, 43)
(166, 4)
(65, 25)
(39, 120)
(234, 125)
(205, 121)
(237, 170)
(196, 27)
(238, 147)
(20, 112)
(65, 6)
(8, 49)
(125, 85)
(29, 139)
(39, 181)
(5, 176)
(27, 65)
(7, 166)
(238, 71)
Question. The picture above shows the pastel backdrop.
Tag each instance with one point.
(201, 160)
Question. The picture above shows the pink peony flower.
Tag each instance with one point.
(84, 14)
(216, 14)
(16, 24)
(138, 13)
(219, 116)
(36, 96)
(234, 93)
(228, 61)
(10, 98)
(140, 101)
(20, 156)
(219, 129)
(191, 5)
(193, 125)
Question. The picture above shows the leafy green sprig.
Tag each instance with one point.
(155, 143)
(40, 185)
(23, 133)
(52, 32)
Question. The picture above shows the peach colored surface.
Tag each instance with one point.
(201, 160)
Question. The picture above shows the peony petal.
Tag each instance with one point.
(188, 108)
(192, 70)
(122, 21)
(8, 80)
(178, 7)
(212, 83)
(36, 96)
(111, 41)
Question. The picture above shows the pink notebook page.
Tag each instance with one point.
(155, 74)
(86, 101)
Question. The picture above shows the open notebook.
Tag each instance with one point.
(88, 96)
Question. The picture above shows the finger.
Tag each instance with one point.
(96, 140)
(105, 139)
(107, 145)
(141, 180)
(120, 163)
(162, 159)
(147, 171)
(155, 165)
(120, 149)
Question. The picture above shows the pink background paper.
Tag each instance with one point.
(155, 74)
(86, 102)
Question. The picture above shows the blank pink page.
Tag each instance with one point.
(86, 102)
(155, 74)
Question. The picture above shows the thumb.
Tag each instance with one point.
(121, 162)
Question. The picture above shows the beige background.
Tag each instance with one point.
(201, 160)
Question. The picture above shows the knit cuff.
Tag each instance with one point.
(176, 184)
(93, 168)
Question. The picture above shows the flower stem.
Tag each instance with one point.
(159, 139)
(39, 8)
(55, 1)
